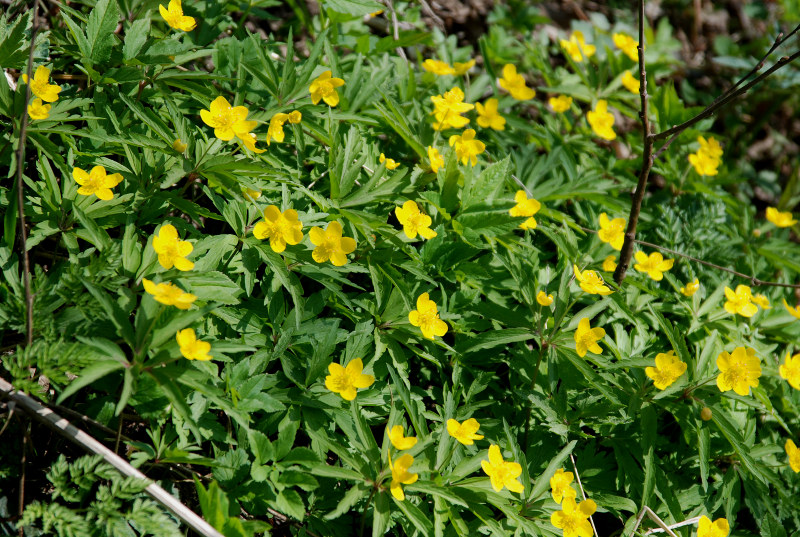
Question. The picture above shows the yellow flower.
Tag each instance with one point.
(399, 441)
(794, 311)
(462, 68)
(591, 282)
(525, 207)
(169, 294)
(171, 250)
(295, 117)
(602, 121)
(467, 147)
(249, 141)
(280, 228)
(175, 18)
(489, 117)
(577, 48)
(226, 120)
(464, 432)
(738, 371)
(544, 299)
(38, 110)
(436, 159)
(41, 87)
(391, 164)
(574, 518)
(718, 528)
(346, 380)
(413, 221)
(627, 44)
(790, 370)
(330, 244)
(191, 348)
(502, 473)
(586, 338)
(438, 67)
(559, 104)
(514, 84)
(612, 231)
(780, 219)
(740, 301)
(448, 109)
(401, 476)
(690, 288)
(630, 82)
(275, 129)
(610, 263)
(703, 163)
(179, 146)
(762, 301)
(794, 455)
(96, 182)
(324, 87)
(654, 265)
(710, 147)
(426, 317)
(560, 485)
(667, 370)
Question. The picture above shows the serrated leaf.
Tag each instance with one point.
(100, 30)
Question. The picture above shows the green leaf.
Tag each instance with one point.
(356, 8)
(136, 37)
(119, 317)
(13, 44)
(288, 280)
(487, 185)
(290, 503)
(92, 373)
(649, 425)
(100, 30)
(213, 286)
(380, 514)
(542, 482)
(91, 232)
(415, 515)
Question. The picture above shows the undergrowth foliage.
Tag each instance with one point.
(347, 292)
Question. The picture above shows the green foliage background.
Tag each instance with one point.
(268, 447)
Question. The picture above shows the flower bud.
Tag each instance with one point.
(705, 414)
(179, 146)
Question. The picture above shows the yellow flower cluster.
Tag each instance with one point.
(44, 91)
(708, 158)
(573, 518)
(441, 68)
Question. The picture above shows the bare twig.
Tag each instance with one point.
(23, 464)
(583, 492)
(663, 527)
(396, 29)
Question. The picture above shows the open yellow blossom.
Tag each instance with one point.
(514, 84)
(780, 219)
(560, 485)
(173, 15)
(602, 121)
(324, 88)
(612, 231)
(577, 48)
(718, 528)
(179, 146)
(610, 263)
(738, 371)
(169, 294)
(275, 129)
(525, 207)
(438, 67)
(667, 370)
(414, 221)
(330, 244)
(464, 432)
(502, 473)
(346, 380)
(794, 455)
(591, 282)
(489, 117)
(467, 147)
(761, 301)
(740, 301)
(461, 68)
(630, 82)
(544, 299)
(171, 250)
(399, 441)
(391, 164)
(654, 265)
(426, 317)
(226, 120)
(574, 518)
(191, 347)
(704, 164)
(38, 110)
(295, 117)
(41, 86)
(436, 159)
(560, 104)
(790, 370)
(586, 338)
(690, 288)
(401, 476)
(448, 109)
(280, 228)
(627, 44)
(795, 312)
(96, 182)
